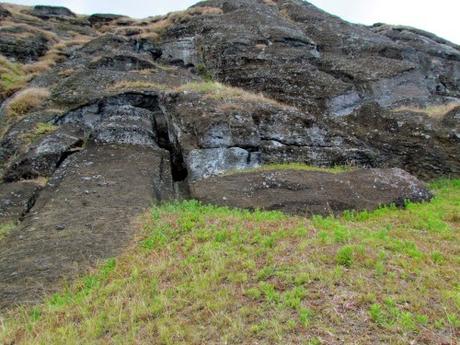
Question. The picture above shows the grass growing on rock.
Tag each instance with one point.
(139, 85)
(26, 101)
(434, 111)
(154, 27)
(209, 89)
(218, 91)
(5, 229)
(40, 129)
(295, 166)
(12, 77)
(202, 274)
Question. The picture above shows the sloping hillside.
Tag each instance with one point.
(206, 275)
(262, 105)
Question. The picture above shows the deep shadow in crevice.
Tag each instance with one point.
(165, 141)
(165, 137)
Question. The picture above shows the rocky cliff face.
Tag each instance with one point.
(106, 105)
(311, 88)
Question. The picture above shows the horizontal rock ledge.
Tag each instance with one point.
(312, 192)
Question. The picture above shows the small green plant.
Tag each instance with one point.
(253, 293)
(437, 257)
(293, 298)
(305, 316)
(41, 129)
(204, 72)
(314, 341)
(344, 256)
(376, 313)
(389, 315)
(5, 229)
(270, 292)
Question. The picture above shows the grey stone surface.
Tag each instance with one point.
(208, 162)
(311, 192)
(46, 12)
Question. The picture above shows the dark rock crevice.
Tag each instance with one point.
(154, 129)
(17, 199)
(167, 139)
(30, 204)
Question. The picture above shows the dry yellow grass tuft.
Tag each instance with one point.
(12, 76)
(77, 40)
(54, 55)
(205, 10)
(21, 12)
(218, 91)
(210, 90)
(26, 101)
(156, 26)
(66, 73)
(46, 62)
(138, 85)
(28, 31)
(434, 111)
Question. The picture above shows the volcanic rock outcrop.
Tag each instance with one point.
(117, 113)
(311, 192)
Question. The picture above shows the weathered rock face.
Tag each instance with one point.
(437, 59)
(311, 192)
(215, 137)
(342, 81)
(103, 18)
(347, 77)
(45, 157)
(4, 12)
(22, 44)
(303, 56)
(45, 12)
(83, 215)
(16, 199)
(452, 120)
(407, 139)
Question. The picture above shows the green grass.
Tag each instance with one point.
(209, 275)
(12, 76)
(5, 229)
(40, 129)
(294, 166)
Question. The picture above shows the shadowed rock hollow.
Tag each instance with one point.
(119, 113)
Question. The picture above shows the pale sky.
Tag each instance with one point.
(440, 17)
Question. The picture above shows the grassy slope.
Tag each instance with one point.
(207, 275)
